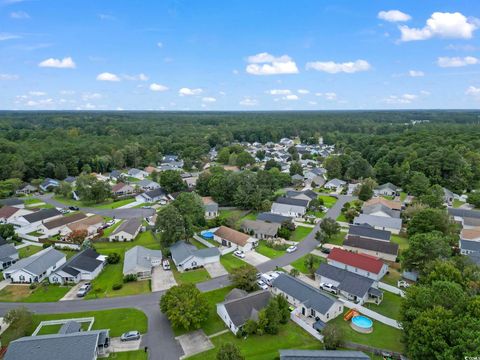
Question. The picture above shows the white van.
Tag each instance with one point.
(267, 279)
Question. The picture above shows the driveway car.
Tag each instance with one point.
(328, 287)
(291, 249)
(262, 285)
(84, 289)
(239, 253)
(130, 335)
(74, 208)
(166, 264)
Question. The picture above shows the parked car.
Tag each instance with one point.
(130, 335)
(262, 285)
(402, 284)
(267, 279)
(64, 211)
(146, 207)
(258, 275)
(239, 253)
(110, 222)
(74, 208)
(325, 250)
(84, 289)
(291, 249)
(328, 287)
(166, 264)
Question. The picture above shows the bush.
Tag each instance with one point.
(113, 258)
(32, 286)
(276, 245)
(117, 286)
(129, 278)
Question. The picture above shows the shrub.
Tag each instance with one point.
(129, 278)
(117, 286)
(276, 245)
(32, 286)
(113, 258)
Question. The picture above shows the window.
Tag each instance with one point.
(21, 278)
(328, 315)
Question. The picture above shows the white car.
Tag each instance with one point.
(262, 285)
(328, 287)
(402, 284)
(291, 249)
(110, 222)
(239, 253)
(166, 264)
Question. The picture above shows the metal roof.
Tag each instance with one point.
(349, 282)
(139, 257)
(322, 355)
(39, 262)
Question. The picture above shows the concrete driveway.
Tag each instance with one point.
(72, 293)
(162, 279)
(194, 343)
(120, 346)
(254, 258)
(215, 269)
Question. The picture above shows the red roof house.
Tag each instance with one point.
(359, 263)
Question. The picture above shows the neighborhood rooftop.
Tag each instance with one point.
(322, 355)
(361, 261)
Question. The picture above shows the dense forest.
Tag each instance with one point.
(442, 145)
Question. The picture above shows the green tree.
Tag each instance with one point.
(250, 327)
(244, 159)
(428, 220)
(273, 315)
(245, 278)
(20, 321)
(260, 154)
(223, 155)
(190, 207)
(7, 231)
(271, 164)
(418, 184)
(185, 306)
(295, 168)
(310, 263)
(433, 197)
(171, 225)
(333, 165)
(283, 308)
(474, 199)
(229, 351)
(64, 189)
(171, 181)
(332, 336)
(294, 272)
(423, 248)
(330, 227)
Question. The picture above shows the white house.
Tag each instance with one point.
(335, 184)
(36, 267)
(8, 254)
(54, 227)
(361, 264)
(140, 261)
(86, 265)
(186, 256)
(387, 189)
(210, 207)
(152, 196)
(233, 238)
(126, 231)
(137, 174)
(290, 207)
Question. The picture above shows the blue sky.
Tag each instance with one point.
(239, 55)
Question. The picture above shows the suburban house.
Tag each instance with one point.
(210, 207)
(54, 227)
(290, 207)
(351, 286)
(85, 265)
(391, 204)
(239, 306)
(298, 179)
(261, 229)
(467, 218)
(469, 242)
(69, 343)
(147, 184)
(152, 196)
(173, 161)
(315, 173)
(322, 355)
(8, 254)
(187, 256)
(140, 261)
(361, 264)
(308, 195)
(335, 184)
(190, 179)
(41, 216)
(313, 307)
(385, 250)
(387, 189)
(91, 224)
(8, 214)
(366, 231)
(115, 175)
(14, 202)
(150, 169)
(49, 184)
(126, 231)
(233, 238)
(380, 210)
(394, 225)
(137, 173)
(26, 190)
(35, 268)
(122, 189)
(274, 218)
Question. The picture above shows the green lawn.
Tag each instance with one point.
(117, 320)
(129, 355)
(317, 214)
(109, 204)
(28, 251)
(338, 239)
(403, 196)
(383, 336)
(402, 241)
(223, 214)
(191, 276)
(263, 249)
(299, 264)
(214, 323)
(197, 244)
(264, 347)
(342, 218)
(109, 230)
(31, 201)
(145, 239)
(231, 262)
(390, 306)
(328, 201)
(300, 233)
(13, 293)
(392, 277)
(457, 203)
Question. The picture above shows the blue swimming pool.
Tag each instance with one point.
(362, 324)
(207, 234)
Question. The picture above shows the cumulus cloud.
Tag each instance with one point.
(158, 87)
(456, 61)
(416, 73)
(19, 15)
(472, 90)
(209, 99)
(279, 92)
(328, 95)
(393, 16)
(189, 92)
(332, 67)
(106, 76)
(37, 93)
(443, 25)
(248, 102)
(303, 91)
(9, 77)
(267, 64)
(290, 97)
(405, 99)
(8, 36)
(65, 63)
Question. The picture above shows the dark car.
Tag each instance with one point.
(325, 250)
(74, 208)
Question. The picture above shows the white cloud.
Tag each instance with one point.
(290, 97)
(401, 99)
(443, 25)
(267, 64)
(209, 99)
(37, 93)
(9, 77)
(139, 77)
(188, 92)
(160, 44)
(303, 91)
(393, 16)
(312, 103)
(42, 102)
(416, 73)
(332, 67)
(158, 87)
(19, 15)
(248, 102)
(328, 95)
(106, 76)
(8, 36)
(472, 90)
(65, 63)
(91, 96)
(279, 92)
(456, 61)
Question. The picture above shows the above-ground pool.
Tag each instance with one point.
(207, 234)
(362, 324)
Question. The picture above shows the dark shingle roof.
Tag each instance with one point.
(155, 193)
(349, 282)
(464, 213)
(7, 250)
(85, 260)
(291, 201)
(130, 226)
(64, 220)
(470, 245)
(70, 327)
(39, 262)
(369, 232)
(273, 218)
(311, 297)
(385, 247)
(181, 251)
(11, 202)
(42, 215)
(322, 355)
(241, 309)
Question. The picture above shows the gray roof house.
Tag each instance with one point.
(147, 184)
(383, 249)
(289, 207)
(83, 345)
(465, 217)
(8, 254)
(380, 210)
(469, 246)
(14, 202)
(140, 261)
(308, 195)
(369, 232)
(261, 229)
(42, 215)
(335, 184)
(126, 231)
(322, 355)
(393, 225)
(85, 265)
(387, 189)
(151, 196)
(273, 218)
(187, 256)
(36, 267)
(239, 308)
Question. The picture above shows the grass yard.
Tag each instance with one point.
(13, 293)
(129, 355)
(230, 262)
(342, 218)
(264, 347)
(197, 244)
(317, 214)
(392, 277)
(109, 230)
(299, 264)
(389, 307)
(402, 241)
(263, 249)
(109, 204)
(457, 203)
(31, 201)
(191, 276)
(145, 239)
(28, 251)
(338, 239)
(300, 233)
(403, 196)
(383, 336)
(224, 214)
(328, 201)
